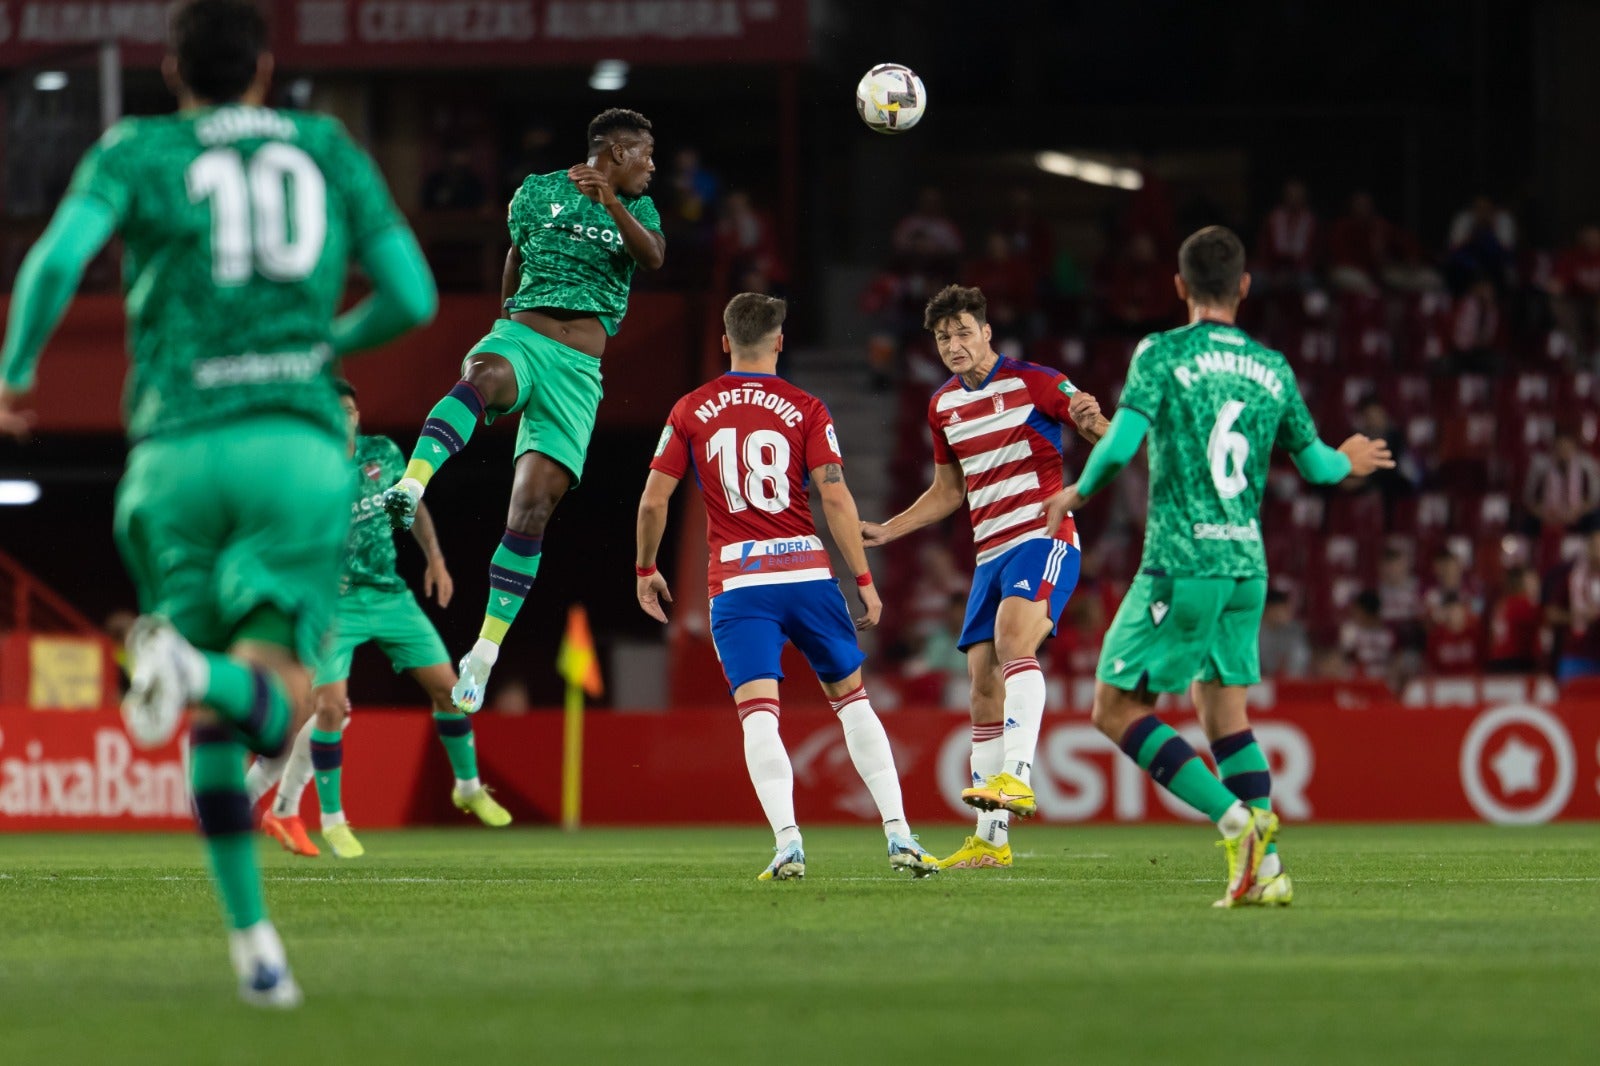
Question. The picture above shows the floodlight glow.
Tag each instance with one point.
(50, 81)
(18, 493)
(609, 75)
(1089, 170)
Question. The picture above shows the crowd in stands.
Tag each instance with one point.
(1476, 356)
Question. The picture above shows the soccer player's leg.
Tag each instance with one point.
(1162, 630)
(749, 642)
(454, 730)
(495, 380)
(331, 700)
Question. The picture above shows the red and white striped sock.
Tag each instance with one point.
(1024, 714)
(768, 762)
(869, 749)
(988, 754)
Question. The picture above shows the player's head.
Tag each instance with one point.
(621, 141)
(347, 400)
(752, 328)
(958, 318)
(217, 52)
(1211, 270)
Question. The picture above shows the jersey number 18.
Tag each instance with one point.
(268, 217)
(765, 481)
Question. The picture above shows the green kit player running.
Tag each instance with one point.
(375, 605)
(238, 223)
(576, 238)
(1213, 402)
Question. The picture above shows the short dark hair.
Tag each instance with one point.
(953, 301)
(750, 317)
(344, 388)
(218, 44)
(605, 126)
(1211, 262)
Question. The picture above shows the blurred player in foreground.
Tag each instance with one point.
(577, 236)
(375, 605)
(238, 223)
(752, 439)
(997, 447)
(1214, 402)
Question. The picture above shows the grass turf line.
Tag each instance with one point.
(1414, 944)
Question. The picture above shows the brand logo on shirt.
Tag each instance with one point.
(955, 417)
(1158, 612)
(555, 209)
(1023, 585)
(833, 441)
(744, 557)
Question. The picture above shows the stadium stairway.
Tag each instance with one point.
(864, 420)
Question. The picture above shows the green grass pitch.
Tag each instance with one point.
(1412, 944)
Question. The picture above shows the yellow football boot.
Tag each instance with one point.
(343, 841)
(1245, 853)
(483, 805)
(1002, 791)
(976, 853)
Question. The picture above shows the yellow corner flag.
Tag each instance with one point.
(579, 666)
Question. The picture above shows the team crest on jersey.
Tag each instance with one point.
(999, 403)
(372, 470)
(833, 441)
(666, 438)
(1067, 388)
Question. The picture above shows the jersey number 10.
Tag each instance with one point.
(765, 484)
(268, 217)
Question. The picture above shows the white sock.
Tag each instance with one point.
(296, 774)
(768, 763)
(468, 785)
(485, 651)
(332, 818)
(411, 487)
(258, 942)
(1024, 715)
(869, 749)
(1271, 866)
(262, 775)
(988, 754)
(1235, 820)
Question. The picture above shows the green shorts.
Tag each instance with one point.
(558, 416)
(218, 522)
(392, 618)
(1171, 630)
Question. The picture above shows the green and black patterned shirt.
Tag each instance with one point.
(369, 554)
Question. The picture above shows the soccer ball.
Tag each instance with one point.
(890, 98)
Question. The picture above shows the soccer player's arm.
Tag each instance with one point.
(1064, 402)
(1137, 409)
(1297, 435)
(826, 464)
(667, 468)
(941, 500)
(404, 295)
(641, 231)
(95, 205)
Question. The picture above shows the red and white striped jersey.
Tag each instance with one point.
(1006, 434)
(753, 440)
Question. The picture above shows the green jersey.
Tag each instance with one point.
(369, 556)
(237, 224)
(572, 253)
(1217, 402)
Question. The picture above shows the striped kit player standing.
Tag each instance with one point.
(756, 444)
(997, 446)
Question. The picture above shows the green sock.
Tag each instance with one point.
(446, 432)
(250, 698)
(1243, 767)
(327, 762)
(511, 572)
(455, 733)
(1167, 757)
(216, 773)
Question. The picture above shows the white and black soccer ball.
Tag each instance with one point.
(890, 98)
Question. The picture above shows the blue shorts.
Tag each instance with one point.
(1035, 570)
(750, 625)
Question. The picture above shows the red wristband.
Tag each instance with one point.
(864, 579)
(644, 571)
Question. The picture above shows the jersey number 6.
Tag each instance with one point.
(765, 484)
(1228, 451)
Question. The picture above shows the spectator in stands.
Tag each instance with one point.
(456, 186)
(510, 697)
(1364, 248)
(1482, 240)
(1367, 643)
(1029, 235)
(1476, 341)
(1138, 288)
(1287, 249)
(1400, 597)
(1285, 648)
(1373, 420)
(1514, 625)
(696, 191)
(1562, 489)
(940, 664)
(1575, 295)
(536, 154)
(1078, 647)
(1572, 610)
(1011, 286)
(1455, 639)
(928, 238)
(1450, 585)
(1330, 664)
(746, 243)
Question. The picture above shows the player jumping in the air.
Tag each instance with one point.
(1213, 403)
(576, 237)
(238, 223)
(755, 442)
(997, 446)
(375, 605)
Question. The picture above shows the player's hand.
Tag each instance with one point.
(592, 184)
(653, 592)
(875, 534)
(437, 582)
(1057, 507)
(1366, 455)
(1084, 409)
(15, 424)
(873, 606)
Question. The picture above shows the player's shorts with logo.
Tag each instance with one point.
(750, 625)
(394, 620)
(1042, 569)
(208, 545)
(558, 416)
(1170, 631)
